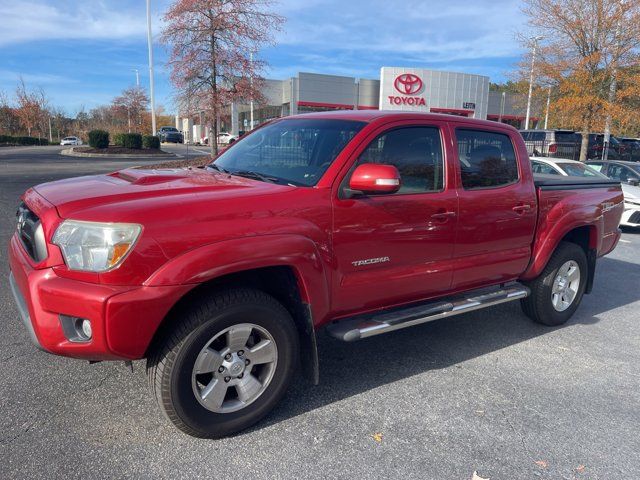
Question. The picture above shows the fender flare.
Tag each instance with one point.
(548, 242)
(247, 253)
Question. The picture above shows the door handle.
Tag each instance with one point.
(521, 208)
(443, 215)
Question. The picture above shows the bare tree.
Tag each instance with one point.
(134, 101)
(211, 43)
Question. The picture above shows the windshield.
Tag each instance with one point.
(579, 170)
(635, 167)
(169, 129)
(296, 151)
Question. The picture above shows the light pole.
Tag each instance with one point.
(502, 100)
(137, 77)
(150, 44)
(533, 63)
(546, 114)
(612, 87)
(251, 103)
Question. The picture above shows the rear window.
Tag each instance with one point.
(567, 137)
(487, 159)
(533, 136)
(598, 167)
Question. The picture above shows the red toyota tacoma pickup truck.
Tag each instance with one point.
(359, 223)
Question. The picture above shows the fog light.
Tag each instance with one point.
(86, 328)
(76, 329)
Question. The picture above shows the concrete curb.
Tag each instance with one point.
(69, 152)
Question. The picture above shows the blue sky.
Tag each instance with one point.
(82, 53)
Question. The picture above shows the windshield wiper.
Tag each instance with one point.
(255, 175)
(218, 168)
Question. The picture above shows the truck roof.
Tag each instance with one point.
(371, 115)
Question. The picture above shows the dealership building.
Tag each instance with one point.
(402, 89)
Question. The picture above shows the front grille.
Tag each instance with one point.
(31, 234)
(634, 218)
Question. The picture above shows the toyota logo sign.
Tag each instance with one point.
(408, 83)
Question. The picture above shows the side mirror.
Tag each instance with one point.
(375, 179)
(633, 181)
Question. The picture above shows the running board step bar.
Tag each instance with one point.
(364, 326)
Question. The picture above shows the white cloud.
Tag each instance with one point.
(38, 20)
(440, 30)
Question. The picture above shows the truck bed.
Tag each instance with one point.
(566, 201)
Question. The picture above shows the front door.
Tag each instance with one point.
(396, 248)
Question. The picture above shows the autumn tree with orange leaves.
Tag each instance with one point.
(211, 43)
(589, 56)
(31, 109)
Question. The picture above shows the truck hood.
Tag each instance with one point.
(83, 193)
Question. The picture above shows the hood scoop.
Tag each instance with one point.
(149, 177)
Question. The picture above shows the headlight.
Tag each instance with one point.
(95, 247)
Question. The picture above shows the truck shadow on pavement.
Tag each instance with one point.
(348, 369)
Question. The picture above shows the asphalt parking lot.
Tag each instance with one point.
(489, 392)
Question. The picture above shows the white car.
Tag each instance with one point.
(628, 174)
(70, 141)
(563, 166)
(224, 138)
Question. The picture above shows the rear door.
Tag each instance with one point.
(497, 208)
(397, 248)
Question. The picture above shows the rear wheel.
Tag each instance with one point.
(557, 292)
(225, 364)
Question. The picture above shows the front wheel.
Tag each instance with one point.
(557, 292)
(225, 364)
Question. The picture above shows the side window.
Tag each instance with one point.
(487, 159)
(417, 154)
(539, 167)
(618, 172)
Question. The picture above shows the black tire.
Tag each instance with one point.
(170, 365)
(539, 306)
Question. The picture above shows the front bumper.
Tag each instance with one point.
(23, 310)
(124, 319)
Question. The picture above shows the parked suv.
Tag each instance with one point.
(552, 143)
(596, 144)
(170, 134)
(632, 145)
(567, 144)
